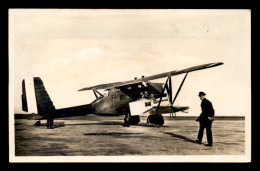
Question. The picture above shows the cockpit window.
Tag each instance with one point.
(147, 104)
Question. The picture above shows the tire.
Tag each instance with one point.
(134, 120)
(38, 123)
(156, 120)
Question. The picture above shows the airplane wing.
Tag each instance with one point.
(153, 77)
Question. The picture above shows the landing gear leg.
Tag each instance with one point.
(126, 121)
(148, 121)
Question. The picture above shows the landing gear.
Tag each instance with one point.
(172, 115)
(131, 120)
(126, 121)
(38, 123)
(156, 120)
(134, 120)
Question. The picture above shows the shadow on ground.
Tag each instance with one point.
(180, 137)
(116, 123)
(112, 133)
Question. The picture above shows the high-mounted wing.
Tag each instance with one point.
(153, 77)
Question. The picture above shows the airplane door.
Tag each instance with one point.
(114, 101)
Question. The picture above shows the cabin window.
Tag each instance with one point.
(122, 97)
(147, 104)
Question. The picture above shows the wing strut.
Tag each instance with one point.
(96, 92)
(169, 91)
(179, 89)
(165, 87)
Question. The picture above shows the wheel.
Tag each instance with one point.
(134, 120)
(148, 120)
(38, 123)
(156, 120)
(160, 120)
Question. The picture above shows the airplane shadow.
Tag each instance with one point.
(100, 123)
(117, 123)
(54, 126)
(180, 137)
(57, 126)
(112, 133)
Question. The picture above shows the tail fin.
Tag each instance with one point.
(24, 99)
(42, 98)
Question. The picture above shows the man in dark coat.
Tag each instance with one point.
(206, 118)
(50, 116)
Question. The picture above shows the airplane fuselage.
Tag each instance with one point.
(117, 101)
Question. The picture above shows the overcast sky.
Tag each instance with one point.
(73, 49)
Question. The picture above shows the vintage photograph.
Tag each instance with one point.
(129, 85)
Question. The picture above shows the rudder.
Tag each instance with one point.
(24, 99)
(35, 97)
(43, 100)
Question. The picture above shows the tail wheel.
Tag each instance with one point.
(156, 120)
(38, 123)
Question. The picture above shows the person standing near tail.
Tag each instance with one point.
(50, 117)
(206, 118)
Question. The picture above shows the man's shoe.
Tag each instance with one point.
(209, 145)
(198, 142)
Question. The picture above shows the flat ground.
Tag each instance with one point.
(95, 135)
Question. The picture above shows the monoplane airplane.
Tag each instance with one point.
(130, 98)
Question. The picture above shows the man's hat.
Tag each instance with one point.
(201, 93)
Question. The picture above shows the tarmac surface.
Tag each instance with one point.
(98, 135)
